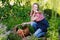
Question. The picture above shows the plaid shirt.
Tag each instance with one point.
(39, 16)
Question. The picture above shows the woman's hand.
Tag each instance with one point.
(33, 18)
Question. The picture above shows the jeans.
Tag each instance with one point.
(38, 32)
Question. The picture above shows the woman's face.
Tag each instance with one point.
(35, 7)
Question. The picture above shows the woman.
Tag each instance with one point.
(38, 21)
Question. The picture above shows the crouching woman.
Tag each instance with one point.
(39, 23)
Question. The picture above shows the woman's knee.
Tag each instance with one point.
(34, 25)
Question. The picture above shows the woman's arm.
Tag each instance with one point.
(34, 18)
(31, 12)
(26, 23)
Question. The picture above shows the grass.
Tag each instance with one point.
(13, 15)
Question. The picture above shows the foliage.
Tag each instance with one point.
(11, 15)
(2, 32)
